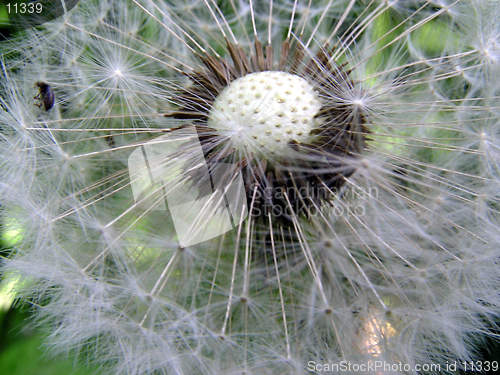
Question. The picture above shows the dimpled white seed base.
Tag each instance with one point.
(263, 112)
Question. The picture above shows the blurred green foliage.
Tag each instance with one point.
(21, 351)
(21, 346)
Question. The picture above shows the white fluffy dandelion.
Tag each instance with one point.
(257, 187)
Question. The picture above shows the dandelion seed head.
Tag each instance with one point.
(376, 139)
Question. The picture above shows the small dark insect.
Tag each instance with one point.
(45, 96)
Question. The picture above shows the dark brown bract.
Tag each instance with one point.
(309, 174)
